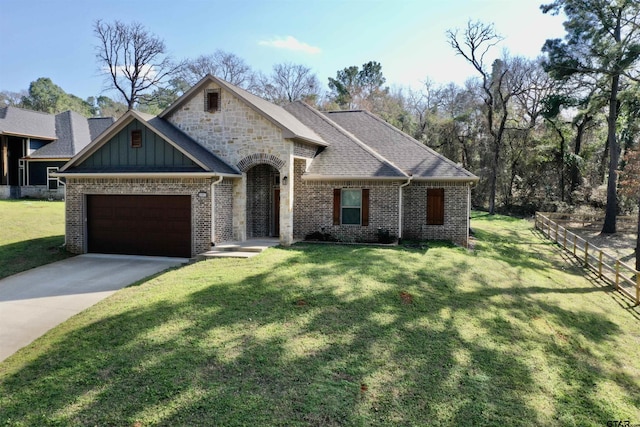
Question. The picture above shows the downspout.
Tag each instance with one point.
(213, 209)
(400, 206)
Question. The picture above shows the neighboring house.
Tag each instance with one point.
(33, 145)
(221, 164)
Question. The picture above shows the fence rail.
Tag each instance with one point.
(627, 223)
(622, 276)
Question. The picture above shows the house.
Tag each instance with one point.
(221, 164)
(33, 145)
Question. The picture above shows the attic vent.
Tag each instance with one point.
(136, 138)
(212, 100)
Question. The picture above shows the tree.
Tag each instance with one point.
(603, 39)
(48, 97)
(287, 83)
(498, 85)
(11, 99)
(358, 88)
(225, 65)
(630, 187)
(134, 60)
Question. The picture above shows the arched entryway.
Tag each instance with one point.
(263, 201)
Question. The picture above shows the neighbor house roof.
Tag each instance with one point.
(346, 156)
(413, 157)
(32, 124)
(69, 131)
(291, 127)
(208, 161)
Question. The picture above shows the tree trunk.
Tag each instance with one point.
(575, 170)
(609, 225)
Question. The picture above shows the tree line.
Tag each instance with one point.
(542, 133)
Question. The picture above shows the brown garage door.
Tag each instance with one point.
(139, 225)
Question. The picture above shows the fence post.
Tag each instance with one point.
(600, 265)
(556, 239)
(575, 241)
(637, 287)
(586, 254)
(617, 273)
(564, 240)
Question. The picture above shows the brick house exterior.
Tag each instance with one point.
(221, 164)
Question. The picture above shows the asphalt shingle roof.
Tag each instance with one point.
(16, 121)
(413, 157)
(345, 156)
(69, 131)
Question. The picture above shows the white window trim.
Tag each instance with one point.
(50, 170)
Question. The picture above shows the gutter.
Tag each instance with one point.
(213, 222)
(143, 175)
(400, 207)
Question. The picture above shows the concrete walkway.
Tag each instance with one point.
(34, 301)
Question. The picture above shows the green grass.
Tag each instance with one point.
(31, 234)
(508, 334)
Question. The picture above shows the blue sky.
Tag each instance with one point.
(54, 38)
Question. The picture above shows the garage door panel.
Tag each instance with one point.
(139, 225)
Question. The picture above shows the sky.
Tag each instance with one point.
(54, 38)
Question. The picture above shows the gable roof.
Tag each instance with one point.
(413, 157)
(208, 161)
(346, 157)
(291, 127)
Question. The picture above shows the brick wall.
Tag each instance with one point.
(456, 214)
(313, 208)
(77, 188)
(301, 149)
(223, 211)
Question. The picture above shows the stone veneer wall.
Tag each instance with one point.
(234, 132)
(223, 211)
(237, 134)
(77, 188)
(456, 212)
(313, 208)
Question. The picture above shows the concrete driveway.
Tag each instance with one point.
(34, 301)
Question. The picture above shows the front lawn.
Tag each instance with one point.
(323, 335)
(31, 234)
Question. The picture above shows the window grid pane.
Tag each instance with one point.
(351, 198)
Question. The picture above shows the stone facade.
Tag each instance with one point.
(78, 188)
(41, 192)
(242, 137)
(456, 212)
(223, 211)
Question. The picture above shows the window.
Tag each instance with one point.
(350, 206)
(435, 206)
(136, 138)
(52, 182)
(212, 100)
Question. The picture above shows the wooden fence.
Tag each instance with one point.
(622, 276)
(624, 223)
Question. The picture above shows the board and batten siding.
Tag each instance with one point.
(155, 152)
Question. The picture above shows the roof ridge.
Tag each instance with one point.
(30, 111)
(354, 138)
(418, 143)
